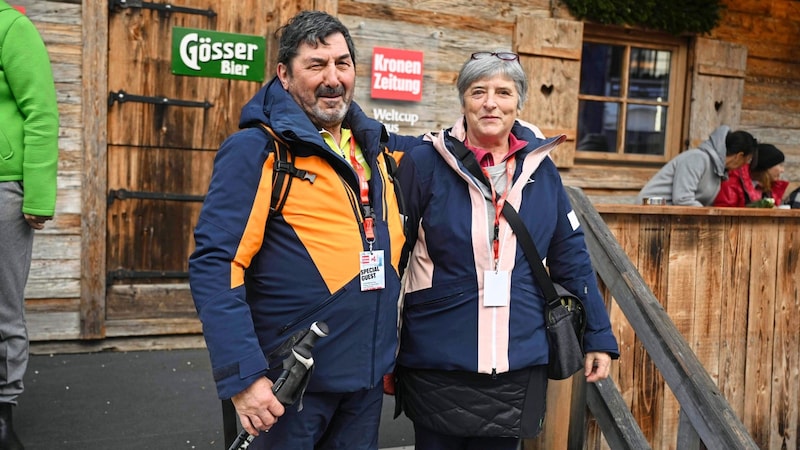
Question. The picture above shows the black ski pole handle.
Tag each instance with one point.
(295, 367)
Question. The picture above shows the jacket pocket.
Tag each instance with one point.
(6, 152)
(314, 309)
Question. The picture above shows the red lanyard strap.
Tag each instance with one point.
(499, 202)
(369, 221)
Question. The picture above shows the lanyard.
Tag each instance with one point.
(498, 205)
(369, 221)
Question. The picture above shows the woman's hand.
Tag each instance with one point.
(597, 366)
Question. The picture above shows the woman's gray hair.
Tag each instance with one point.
(477, 69)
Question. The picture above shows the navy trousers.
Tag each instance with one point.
(328, 421)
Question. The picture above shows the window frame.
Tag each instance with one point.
(677, 111)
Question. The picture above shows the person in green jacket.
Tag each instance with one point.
(28, 167)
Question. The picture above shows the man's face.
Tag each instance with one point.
(321, 80)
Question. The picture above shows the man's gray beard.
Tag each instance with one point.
(326, 119)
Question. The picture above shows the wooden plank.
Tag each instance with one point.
(554, 38)
(621, 431)
(719, 58)
(680, 303)
(489, 15)
(52, 326)
(150, 327)
(93, 233)
(653, 257)
(52, 288)
(149, 301)
(785, 401)
(733, 297)
(760, 330)
(705, 337)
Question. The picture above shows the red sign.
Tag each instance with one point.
(396, 74)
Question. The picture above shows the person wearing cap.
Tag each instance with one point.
(766, 172)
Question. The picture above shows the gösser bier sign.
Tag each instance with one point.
(214, 54)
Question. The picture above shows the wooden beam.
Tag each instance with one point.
(620, 429)
(93, 201)
(706, 408)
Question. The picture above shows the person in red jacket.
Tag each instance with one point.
(738, 190)
(766, 174)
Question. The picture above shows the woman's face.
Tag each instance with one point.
(490, 108)
(775, 171)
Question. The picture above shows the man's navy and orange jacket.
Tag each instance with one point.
(304, 266)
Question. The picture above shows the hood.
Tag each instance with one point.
(716, 150)
(274, 106)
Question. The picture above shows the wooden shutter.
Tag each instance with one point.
(717, 87)
(550, 53)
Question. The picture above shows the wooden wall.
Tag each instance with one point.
(53, 291)
(728, 278)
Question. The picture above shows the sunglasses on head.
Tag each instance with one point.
(505, 56)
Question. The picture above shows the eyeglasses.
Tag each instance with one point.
(505, 56)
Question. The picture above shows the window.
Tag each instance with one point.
(631, 96)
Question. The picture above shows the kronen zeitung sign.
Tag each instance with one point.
(214, 54)
(396, 74)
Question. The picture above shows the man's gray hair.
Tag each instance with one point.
(309, 27)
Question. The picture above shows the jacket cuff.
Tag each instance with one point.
(237, 377)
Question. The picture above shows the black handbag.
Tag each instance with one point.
(565, 314)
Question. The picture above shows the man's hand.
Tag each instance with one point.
(36, 222)
(596, 366)
(257, 406)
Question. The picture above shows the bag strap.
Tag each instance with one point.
(529, 248)
(284, 165)
(468, 159)
(514, 221)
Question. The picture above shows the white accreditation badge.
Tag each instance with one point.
(373, 270)
(496, 288)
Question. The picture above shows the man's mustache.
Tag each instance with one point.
(325, 91)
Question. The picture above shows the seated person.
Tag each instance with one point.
(693, 177)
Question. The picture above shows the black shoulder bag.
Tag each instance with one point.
(565, 314)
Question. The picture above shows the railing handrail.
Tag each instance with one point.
(700, 399)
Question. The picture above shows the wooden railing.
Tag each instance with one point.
(704, 303)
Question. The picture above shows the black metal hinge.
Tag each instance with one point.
(124, 194)
(122, 97)
(164, 7)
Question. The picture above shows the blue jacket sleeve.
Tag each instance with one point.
(216, 267)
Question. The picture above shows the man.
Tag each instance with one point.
(693, 177)
(255, 284)
(28, 168)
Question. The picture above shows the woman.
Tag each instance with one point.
(757, 184)
(766, 174)
(472, 364)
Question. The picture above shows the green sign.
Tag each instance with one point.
(204, 53)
